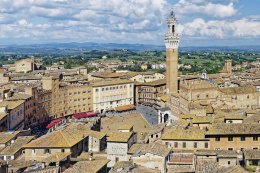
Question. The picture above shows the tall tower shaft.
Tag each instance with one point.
(171, 43)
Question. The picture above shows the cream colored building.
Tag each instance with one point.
(197, 96)
(147, 77)
(179, 138)
(109, 94)
(24, 65)
(118, 144)
(67, 99)
(153, 156)
(225, 136)
(62, 141)
(14, 150)
(15, 114)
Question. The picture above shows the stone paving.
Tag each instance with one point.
(149, 114)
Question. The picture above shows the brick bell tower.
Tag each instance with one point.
(171, 43)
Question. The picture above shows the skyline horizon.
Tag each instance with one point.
(115, 43)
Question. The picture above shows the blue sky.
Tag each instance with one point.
(200, 22)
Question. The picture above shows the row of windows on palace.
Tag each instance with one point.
(114, 88)
(113, 102)
(71, 108)
(75, 93)
(207, 96)
(255, 138)
(195, 144)
(73, 100)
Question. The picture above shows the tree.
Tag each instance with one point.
(67, 66)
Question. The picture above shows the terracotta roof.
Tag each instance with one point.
(154, 83)
(56, 157)
(198, 84)
(17, 145)
(90, 166)
(32, 77)
(2, 115)
(252, 154)
(153, 148)
(108, 75)
(125, 127)
(19, 96)
(134, 148)
(65, 138)
(233, 129)
(156, 129)
(218, 153)
(197, 119)
(84, 130)
(183, 159)
(233, 169)
(7, 136)
(21, 163)
(238, 90)
(57, 139)
(252, 119)
(179, 133)
(119, 136)
(11, 104)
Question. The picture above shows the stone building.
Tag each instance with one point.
(223, 136)
(67, 99)
(118, 144)
(227, 67)
(24, 65)
(146, 77)
(179, 138)
(110, 94)
(62, 141)
(148, 93)
(152, 156)
(14, 150)
(251, 158)
(224, 158)
(7, 138)
(14, 114)
(239, 97)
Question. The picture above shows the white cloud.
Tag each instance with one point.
(205, 7)
(83, 20)
(245, 27)
(133, 21)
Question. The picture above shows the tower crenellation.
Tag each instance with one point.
(171, 37)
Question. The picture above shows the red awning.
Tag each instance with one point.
(84, 115)
(54, 122)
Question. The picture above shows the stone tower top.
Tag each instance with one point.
(171, 39)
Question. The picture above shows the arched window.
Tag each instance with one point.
(173, 29)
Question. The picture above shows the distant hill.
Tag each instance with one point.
(76, 48)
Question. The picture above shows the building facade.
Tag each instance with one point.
(67, 99)
(109, 94)
(148, 93)
(24, 65)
